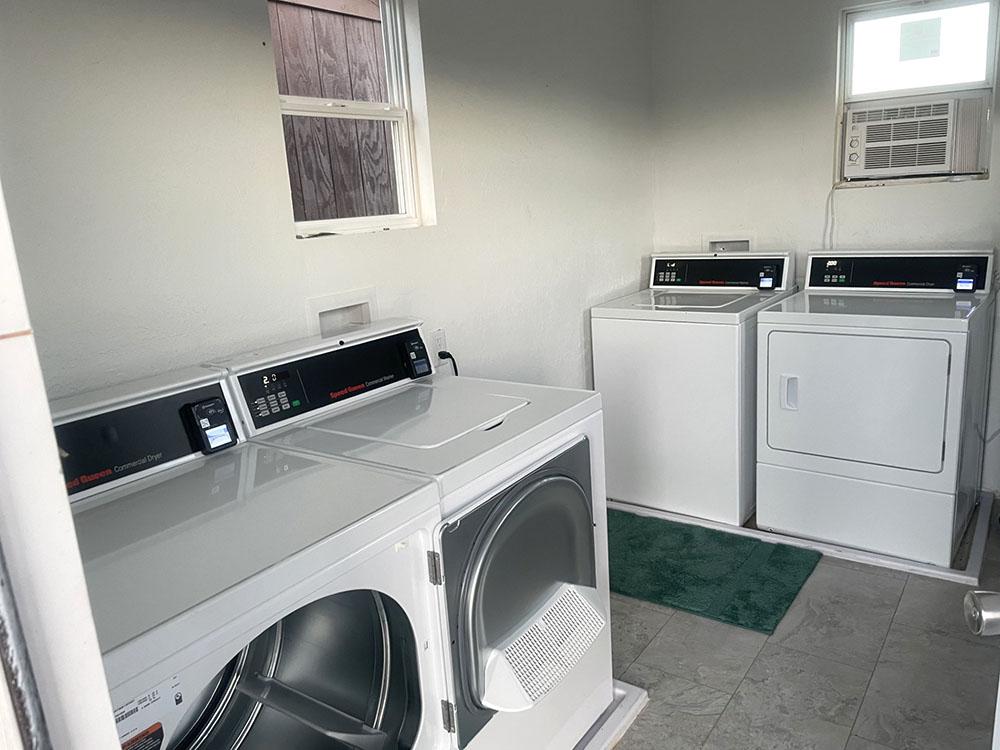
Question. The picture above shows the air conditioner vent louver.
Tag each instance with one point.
(878, 133)
(900, 113)
(937, 128)
(906, 155)
(929, 154)
(877, 157)
(888, 139)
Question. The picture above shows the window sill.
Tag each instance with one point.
(307, 230)
(888, 182)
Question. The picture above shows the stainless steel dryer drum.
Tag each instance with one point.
(338, 673)
(503, 563)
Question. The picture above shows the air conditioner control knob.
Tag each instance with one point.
(855, 143)
(853, 157)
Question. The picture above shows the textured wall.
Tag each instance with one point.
(145, 178)
(745, 132)
(745, 97)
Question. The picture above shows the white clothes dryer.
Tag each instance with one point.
(872, 391)
(520, 558)
(246, 596)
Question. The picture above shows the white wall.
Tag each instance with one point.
(745, 97)
(746, 106)
(148, 196)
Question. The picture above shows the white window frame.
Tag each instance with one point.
(896, 7)
(406, 111)
(845, 51)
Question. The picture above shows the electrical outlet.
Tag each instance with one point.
(439, 341)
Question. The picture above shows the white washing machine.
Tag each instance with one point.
(872, 389)
(676, 366)
(520, 559)
(244, 596)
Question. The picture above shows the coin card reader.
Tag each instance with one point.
(212, 426)
(768, 277)
(416, 357)
(966, 279)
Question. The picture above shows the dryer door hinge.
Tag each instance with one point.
(448, 716)
(434, 570)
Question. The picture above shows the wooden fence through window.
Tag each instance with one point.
(333, 49)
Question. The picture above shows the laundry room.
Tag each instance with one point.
(439, 374)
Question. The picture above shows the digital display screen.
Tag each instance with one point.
(276, 377)
(218, 436)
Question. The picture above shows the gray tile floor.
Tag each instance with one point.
(865, 659)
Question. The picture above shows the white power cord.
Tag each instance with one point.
(829, 220)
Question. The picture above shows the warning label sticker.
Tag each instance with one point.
(150, 739)
(140, 721)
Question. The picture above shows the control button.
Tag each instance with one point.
(826, 279)
(281, 394)
(204, 423)
(853, 157)
(296, 403)
(855, 142)
(259, 400)
(285, 407)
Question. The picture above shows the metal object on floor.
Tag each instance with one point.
(17, 670)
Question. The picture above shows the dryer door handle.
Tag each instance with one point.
(789, 392)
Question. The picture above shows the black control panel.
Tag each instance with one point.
(900, 272)
(100, 449)
(759, 273)
(278, 393)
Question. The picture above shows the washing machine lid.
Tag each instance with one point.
(922, 312)
(723, 307)
(162, 545)
(452, 429)
(422, 416)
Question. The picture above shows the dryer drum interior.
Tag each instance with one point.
(521, 581)
(338, 673)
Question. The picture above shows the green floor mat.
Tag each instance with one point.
(728, 577)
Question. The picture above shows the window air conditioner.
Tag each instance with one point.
(914, 137)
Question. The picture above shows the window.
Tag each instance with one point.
(916, 90)
(894, 51)
(354, 116)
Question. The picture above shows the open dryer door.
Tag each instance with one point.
(520, 581)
